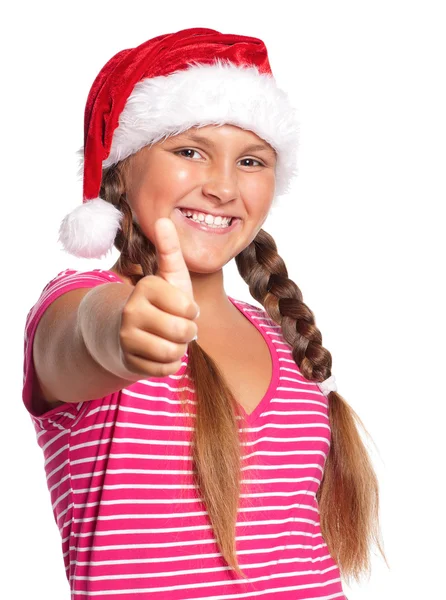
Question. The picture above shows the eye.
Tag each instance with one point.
(193, 150)
(254, 159)
(186, 150)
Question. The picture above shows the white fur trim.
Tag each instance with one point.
(90, 229)
(205, 94)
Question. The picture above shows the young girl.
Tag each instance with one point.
(182, 467)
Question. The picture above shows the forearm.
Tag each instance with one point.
(98, 322)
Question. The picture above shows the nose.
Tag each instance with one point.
(222, 183)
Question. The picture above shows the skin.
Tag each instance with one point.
(224, 177)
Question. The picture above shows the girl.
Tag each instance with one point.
(182, 467)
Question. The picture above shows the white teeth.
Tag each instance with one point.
(210, 220)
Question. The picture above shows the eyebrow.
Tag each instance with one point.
(199, 139)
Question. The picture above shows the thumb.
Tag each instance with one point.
(171, 264)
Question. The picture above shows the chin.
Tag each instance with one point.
(207, 264)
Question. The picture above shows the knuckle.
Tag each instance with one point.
(174, 366)
(184, 303)
(182, 330)
(124, 336)
(147, 284)
(128, 311)
(147, 280)
(170, 352)
(127, 362)
(165, 369)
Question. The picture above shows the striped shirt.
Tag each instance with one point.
(131, 520)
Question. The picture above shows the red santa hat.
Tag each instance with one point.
(175, 81)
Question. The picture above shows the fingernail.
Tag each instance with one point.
(198, 313)
(195, 338)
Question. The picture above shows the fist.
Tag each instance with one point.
(158, 320)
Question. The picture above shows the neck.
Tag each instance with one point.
(210, 295)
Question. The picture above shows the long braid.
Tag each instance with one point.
(348, 496)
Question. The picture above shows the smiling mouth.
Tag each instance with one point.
(209, 227)
(185, 210)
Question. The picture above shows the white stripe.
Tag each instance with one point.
(53, 456)
(97, 458)
(198, 513)
(54, 439)
(188, 443)
(228, 582)
(56, 485)
(60, 515)
(137, 501)
(295, 412)
(288, 427)
(127, 470)
(208, 527)
(186, 486)
(206, 570)
(189, 514)
(151, 427)
(61, 466)
(129, 441)
(200, 556)
(296, 401)
(67, 493)
(65, 525)
(200, 542)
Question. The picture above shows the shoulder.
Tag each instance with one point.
(255, 312)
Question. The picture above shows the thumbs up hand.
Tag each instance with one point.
(157, 320)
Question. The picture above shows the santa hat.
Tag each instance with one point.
(175, 81)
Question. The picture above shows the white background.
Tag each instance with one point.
(361, 232)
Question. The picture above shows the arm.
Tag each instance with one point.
(78, 325)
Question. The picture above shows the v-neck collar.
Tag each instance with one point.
(273, 384)
(251, 418)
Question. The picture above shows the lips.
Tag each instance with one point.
(201, 226)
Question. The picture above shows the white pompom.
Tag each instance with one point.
(90, 229)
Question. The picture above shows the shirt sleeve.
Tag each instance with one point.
(65, 281)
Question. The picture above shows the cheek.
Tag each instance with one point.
(262, 188)
(258, 200)
(171, 184)
(156, 192)
(184, 176)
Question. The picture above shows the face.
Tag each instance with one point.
(218, 174)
